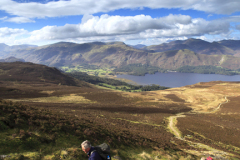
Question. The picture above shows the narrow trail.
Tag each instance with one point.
(173, 129)
(219, 106)
(172, 125)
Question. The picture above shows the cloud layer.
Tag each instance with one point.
(139, 26)
(106, 25)
(116, 28)
(6, 32)
(77, 7)
(122, 28)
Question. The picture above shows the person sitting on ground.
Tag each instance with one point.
(91, 152)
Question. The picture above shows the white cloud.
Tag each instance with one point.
(5, 32)
(117, 28)
(217, 6)
(3, 18)
(156, 41)
(12, 36)
(123, 28)
(106, 25)
(77, 7)
(19, 20)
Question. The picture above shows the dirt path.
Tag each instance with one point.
(172, 126)
(173, 120)
(219, 106)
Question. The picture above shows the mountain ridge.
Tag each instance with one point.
(170, 55)
(6, 49)
(197, 45)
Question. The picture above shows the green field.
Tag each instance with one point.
(90, 70)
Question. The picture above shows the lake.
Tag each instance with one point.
(176, 79)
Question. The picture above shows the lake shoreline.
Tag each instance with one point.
(176, 79)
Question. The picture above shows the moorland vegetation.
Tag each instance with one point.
(47, 117)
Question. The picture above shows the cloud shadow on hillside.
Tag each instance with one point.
(140, 110)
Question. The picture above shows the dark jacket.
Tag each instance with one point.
(93, 154)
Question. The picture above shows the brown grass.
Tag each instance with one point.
(143, 114)
(220, 130)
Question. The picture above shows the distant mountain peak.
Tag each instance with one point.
(193, 40)
(98, 43)
(138, 46)
(198, 46)
(117, 43)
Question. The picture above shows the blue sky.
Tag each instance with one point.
(150, 22)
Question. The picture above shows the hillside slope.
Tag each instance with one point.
(178, 58)
(119, 54)
(11, 59)
(176, 123)
(5, 49)
(29, 72)
(65, 54)
(195, 45)
(233, 44)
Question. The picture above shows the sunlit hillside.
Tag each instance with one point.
(43, 119)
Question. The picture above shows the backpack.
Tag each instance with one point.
(103, 150)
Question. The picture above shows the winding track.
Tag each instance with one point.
(172, 125)
(219, 106)
(173, 129)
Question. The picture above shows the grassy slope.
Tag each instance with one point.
(137, 120)
(53, 118)
(34, 132)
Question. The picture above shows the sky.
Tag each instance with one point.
(147, 22)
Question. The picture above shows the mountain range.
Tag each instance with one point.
(5, 49)
(172, 55)
(225, 47)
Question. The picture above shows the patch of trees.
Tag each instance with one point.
(139, 69)
(118, 84)
(152, 87)
(83, 66)
(88, 66)
(206, 70)
(95, 79)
